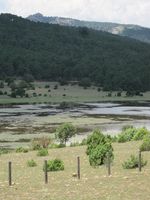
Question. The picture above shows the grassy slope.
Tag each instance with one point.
(94, 183)
(73, 94)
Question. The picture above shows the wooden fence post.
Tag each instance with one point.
(46, 174)
(78, 167)
(108, 164)
(10, 173)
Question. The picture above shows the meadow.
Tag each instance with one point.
(69, 93)
(95, 184)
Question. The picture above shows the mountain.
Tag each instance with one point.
(132, 31)
(53, 52)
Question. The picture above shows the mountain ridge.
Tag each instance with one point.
(128, 30)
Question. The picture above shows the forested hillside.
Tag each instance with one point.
(53, 52)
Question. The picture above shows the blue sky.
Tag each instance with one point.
(121, 11)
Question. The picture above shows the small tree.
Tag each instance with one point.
(64, 132)
(98, 146)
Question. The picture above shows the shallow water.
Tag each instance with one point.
(109, 117)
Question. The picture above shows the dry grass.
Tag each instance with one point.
(94, 183)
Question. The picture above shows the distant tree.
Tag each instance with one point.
(1, 85)
(65, 132)
(85, 82)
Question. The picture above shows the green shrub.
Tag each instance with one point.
(132, 162)
(31, 163)
(54, 165)
(54, 146)
(98, 155)
(84, 141)
(3, 151)
(21, 150)
(146, 143)
(141, 132)
(98, 145)
(42, 152)
(127, 135)
(65, 132)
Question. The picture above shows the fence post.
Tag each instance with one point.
(46, 174)
(108, 164)
(139, 164)
(78, 167)
(10, 173)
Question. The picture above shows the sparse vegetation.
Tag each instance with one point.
(145, 146)
(54, 165)
(42, 152)
(31, 163)
(133, 162)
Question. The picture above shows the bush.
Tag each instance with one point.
(35, 145)
(3, 151)
(146, 143)
(98, 145)
(64, 132)
(21, 150)
(132, 162)
(141, 132)
(31, 163)
(126, 135)
(54, 165)
(40, 143)
(85, 82)
(55, 146)
(98, 155)
(42, 152)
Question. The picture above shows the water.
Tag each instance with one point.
(30, 121)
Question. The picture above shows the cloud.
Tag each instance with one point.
(122, 11)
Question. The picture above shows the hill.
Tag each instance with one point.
(128, 30)
(53, 52)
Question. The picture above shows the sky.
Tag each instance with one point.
(120, 11)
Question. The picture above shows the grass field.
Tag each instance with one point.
(94, 184)
(69, 93)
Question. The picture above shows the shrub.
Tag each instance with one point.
(39, 143)
(47, 86)
(3, 151)
(98, 155)
(98, 145)
(64, 132)
(21, 150)
(42, 152)
(126, 135)
(132, 162)
(35, 145)
(84, 141)
(31, 163)
(54, 146)
(1, 93)
(146, 143)
(54, 165)
(141, 132)
(85, 82)
(126, 127)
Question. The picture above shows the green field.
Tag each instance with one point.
(28, 183)
(68, 93)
